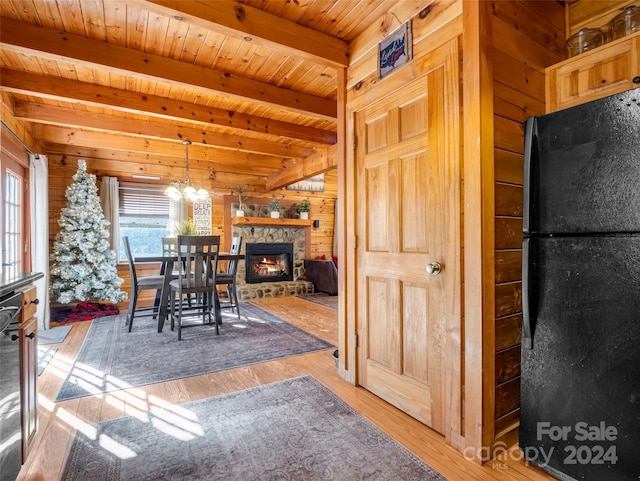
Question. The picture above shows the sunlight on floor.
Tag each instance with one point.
(170, 419)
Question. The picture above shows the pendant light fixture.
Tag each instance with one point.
(184, 190)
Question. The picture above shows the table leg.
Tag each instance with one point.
(165, 295)
(218, 310)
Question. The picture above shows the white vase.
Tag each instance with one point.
(239, 213)
(275, 215)
(304, 215)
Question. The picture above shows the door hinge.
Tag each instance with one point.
(355, 143)
(355, 341)
(355, 241)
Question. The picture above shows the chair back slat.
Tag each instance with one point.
(169, 246)
(236, 244)
(132, 267)
(199, 261)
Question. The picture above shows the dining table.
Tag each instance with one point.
(166, 269)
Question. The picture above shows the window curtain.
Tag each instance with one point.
(178, 212)
(110, 202)
(38, 198)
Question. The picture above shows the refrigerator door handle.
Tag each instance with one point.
(527, 335)
(530, 131)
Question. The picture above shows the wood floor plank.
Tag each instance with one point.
(58, 421)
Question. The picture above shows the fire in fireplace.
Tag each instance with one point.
(269, 262)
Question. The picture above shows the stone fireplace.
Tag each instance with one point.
(262, 230)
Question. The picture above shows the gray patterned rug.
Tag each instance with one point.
(321, 298)
(296, 430)
(111, 358)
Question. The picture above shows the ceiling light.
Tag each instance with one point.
(184, 190)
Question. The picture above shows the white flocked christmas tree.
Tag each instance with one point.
(84, 265)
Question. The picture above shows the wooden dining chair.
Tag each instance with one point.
(169, 246)
(227, 278)
(197, 269)
(143, 283)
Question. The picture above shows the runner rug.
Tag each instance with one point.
(111, 358)
(296, 430)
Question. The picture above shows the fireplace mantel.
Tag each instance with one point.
(279, 222)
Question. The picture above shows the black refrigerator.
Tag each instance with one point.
(580, 384)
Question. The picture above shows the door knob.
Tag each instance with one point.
(434, 268)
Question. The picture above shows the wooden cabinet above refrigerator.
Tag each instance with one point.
(603, 71)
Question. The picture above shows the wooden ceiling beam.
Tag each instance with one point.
(31, 39)
(144, 164)
(174, 152)
(66, 90)
(262, 28)
(322, 161)
(67, 117)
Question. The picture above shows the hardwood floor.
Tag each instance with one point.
(58, 421)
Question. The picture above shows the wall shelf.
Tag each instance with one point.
(279, 222)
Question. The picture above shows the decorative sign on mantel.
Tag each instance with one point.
(395, 50)
(202, 216)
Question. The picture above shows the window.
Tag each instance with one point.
(144, 218)
(13, 223)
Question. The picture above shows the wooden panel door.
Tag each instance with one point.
(408, 211)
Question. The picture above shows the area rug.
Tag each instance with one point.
(111, 358)
(321, 298)
(53, 336)
(44, 356)
(296, 430)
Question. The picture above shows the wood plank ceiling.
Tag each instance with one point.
(253, 85)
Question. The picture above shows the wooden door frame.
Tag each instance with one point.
(453, 354)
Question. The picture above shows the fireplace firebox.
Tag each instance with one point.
(268, 262)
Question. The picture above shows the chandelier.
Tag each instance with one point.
(184, 190)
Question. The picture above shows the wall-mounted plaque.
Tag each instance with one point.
(395, 50)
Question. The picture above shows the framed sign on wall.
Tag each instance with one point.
(202, 216)
(395, 50)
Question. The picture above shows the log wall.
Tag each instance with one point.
(521, 51)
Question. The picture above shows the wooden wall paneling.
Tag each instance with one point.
(538, 50)
(522, 50)
(506, 427)
(508, 233)
(514, 104)
(507, 397)
(507, 364)
(509, 135)
(508, 298)
(508, 330)
(508, 265)
(509, 167)
(518, 74)
(508, 200)
(545, 26)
